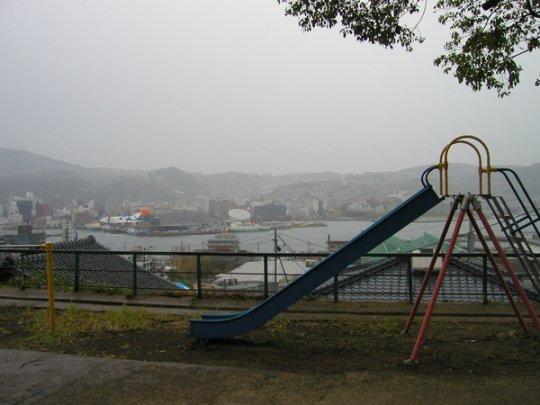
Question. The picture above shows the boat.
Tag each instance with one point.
(224, 242)
(247, 227)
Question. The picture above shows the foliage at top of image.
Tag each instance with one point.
(483, 48)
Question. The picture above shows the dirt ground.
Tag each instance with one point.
(478, 362)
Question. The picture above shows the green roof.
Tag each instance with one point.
(397, 245)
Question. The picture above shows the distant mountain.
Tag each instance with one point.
(22, 171)
(55, 184)
(462, 178)
(135, 188)
(177, 180)
(231, 184)
(19, 162)
(286, 179)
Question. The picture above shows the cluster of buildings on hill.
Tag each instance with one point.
(163, 218)
(40, 214)
(281, 205)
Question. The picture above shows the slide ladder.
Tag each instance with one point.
(513, 227)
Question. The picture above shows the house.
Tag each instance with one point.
(95, 270)
(250, 275)
(388, 280)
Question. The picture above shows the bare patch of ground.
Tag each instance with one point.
(314, 359)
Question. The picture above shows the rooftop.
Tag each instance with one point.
(251, 274)
(96, 270)
(387, 280)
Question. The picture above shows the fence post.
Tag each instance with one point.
(76, 281)
(22, 278)
(134, 287)
(199, 277)
(265, 261)
(484, 279)
(410, 279)
(336, 288)
(48, 248)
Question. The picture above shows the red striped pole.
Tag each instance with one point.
(497, 270)
(420, 295)
(438, 284)
(509, 268)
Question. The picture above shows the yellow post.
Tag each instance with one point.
(48, 247)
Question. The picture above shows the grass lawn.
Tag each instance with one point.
(345, 360)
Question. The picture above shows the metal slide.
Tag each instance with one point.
(236, 324)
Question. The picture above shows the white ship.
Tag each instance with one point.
(247, 227)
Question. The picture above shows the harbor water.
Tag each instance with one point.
(308, 239)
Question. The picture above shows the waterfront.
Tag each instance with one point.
(299, 239)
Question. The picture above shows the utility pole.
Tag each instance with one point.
(328, 243)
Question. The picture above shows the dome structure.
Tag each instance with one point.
(237, 214)
(145, 212)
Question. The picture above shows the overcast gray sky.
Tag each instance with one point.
(234, 85)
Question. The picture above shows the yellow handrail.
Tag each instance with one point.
(445, 168)
(443, 163)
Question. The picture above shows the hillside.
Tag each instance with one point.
(20, 162)
(231, 184)
(23, 171)
(177, 180)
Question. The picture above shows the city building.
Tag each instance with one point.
(42, 210)
(182, 217)
(24, 236)
(25, 207)
(270, 212)
(218, 209)
(14, 218)
(62, 212)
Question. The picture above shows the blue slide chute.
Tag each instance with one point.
(224, 326)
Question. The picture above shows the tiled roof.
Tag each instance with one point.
(386, 280)
(95, 270)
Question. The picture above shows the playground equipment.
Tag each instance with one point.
(229, 325)
(511, 227)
